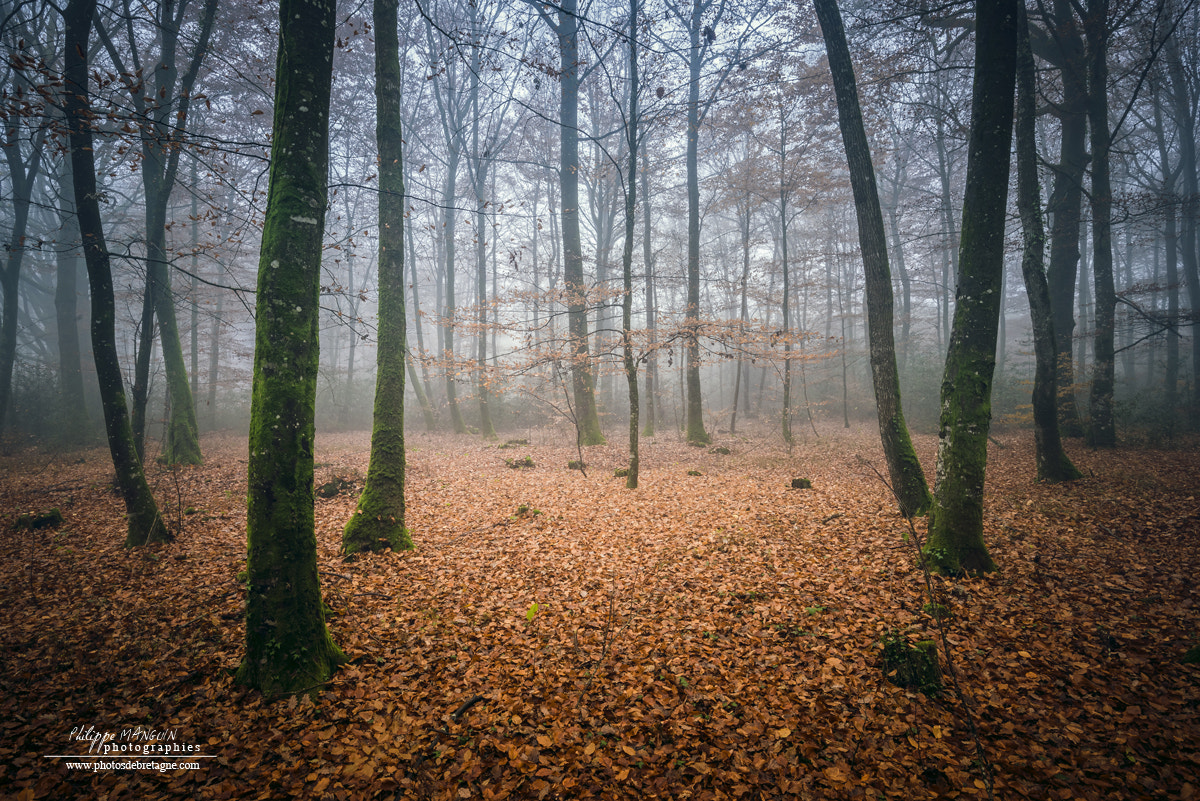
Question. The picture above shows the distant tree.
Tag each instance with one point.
(908, 480)
(631, 144)
(378, 522)
(160, 103)
(454, 108)
(144, 524)
(1183, 107)
(24, 140)
(1101, 430)
(1064, 48)
(565, 26)
(288, 648)
(1053, 464)
(955, 543)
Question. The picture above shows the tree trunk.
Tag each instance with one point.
(648, 259)
(141, 370)
(1066, 199)
(587, 419)
(183, 438)
(631, 377)
(1189, 239)
(1101, 432)
(1171, 255)
(378, 523)
(448, 321)
(288, 648)
(695, 407)
(214, 359)
(486, 429)
(786, 427)
(22, 177)
(74, 427)
(904, 468)
(144, 525)
(955, 543)
(1053, 464)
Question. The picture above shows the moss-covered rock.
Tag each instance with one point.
(801, 483)
(912, 666)
(333, 487)
(575, 464)
(621, 472)
(36, 521)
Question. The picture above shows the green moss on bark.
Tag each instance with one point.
(378, 522)
(955, 543)
(288, 648)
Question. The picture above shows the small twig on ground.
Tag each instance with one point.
(466, 705)
(336, 575)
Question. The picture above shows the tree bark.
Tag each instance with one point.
(1066, 199)
(648, 260)
(1101, 430)
(1053, 464)
(163, 110)
(695, 406)
(955, 543)
(1189, 235)
(582, 383)
(23, 176)
(379, 523)
(288, 648)
(904, 468)
(631, 134)
(74, 426)
(144, 525)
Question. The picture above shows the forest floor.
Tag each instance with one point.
(704, 636)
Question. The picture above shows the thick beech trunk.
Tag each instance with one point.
(288, 648)
(955, 543)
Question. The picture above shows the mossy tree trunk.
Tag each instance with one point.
(378, 523)
(955, 543)
(1053, 464)
(144, 524)
(288, 648)
(908, 480)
